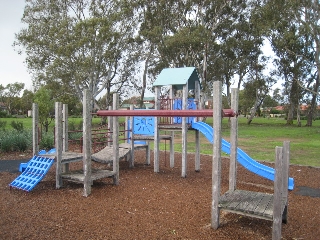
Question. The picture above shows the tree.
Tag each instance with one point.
(11, 94)
(79, 44)
(26, 100)
(43, 97)
(294, 35)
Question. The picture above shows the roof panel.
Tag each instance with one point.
(177, 76)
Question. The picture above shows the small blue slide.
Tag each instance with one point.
(243, 158)
(33, 171)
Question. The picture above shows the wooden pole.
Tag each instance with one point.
(131, 163)
(285, 178)
(216, 162)
(35, 128)
(277, 196)
(110, 128)
(58, 143)
(234, 141)
(197, 133)
(87, 135)
(156, 131)
(65, 145)
(115, 142)
(172, 132)
(184, 132)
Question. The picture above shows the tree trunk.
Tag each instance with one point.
(253, 110)
(298, 116)
(290, 114)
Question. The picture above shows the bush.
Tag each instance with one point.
(17, 125)
(3, 125)
(15, 140)
(3, 114)
(47, 141)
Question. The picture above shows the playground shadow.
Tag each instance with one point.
(11, 166)
(308, 191)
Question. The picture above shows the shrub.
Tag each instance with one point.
(17, 125)
(71, 126)
(47, 141)
(3, 125)
(15, 140)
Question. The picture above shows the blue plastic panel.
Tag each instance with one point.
(177, 105)
(36, 170)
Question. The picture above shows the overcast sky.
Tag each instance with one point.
(12, 67)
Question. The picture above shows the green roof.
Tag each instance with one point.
(148, 99)
(178, 77)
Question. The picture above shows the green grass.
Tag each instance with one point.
(27, 122)
(260, 138)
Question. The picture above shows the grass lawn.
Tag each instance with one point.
(258, 139)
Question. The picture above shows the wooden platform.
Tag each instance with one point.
(253, 204)
(67, 157)
(78, 176)
(106, 154)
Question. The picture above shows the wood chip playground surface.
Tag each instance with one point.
(148, 205)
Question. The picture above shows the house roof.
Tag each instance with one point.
(178, 77)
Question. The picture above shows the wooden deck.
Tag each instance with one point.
(67, 157)
(253, 204)
(78, 176)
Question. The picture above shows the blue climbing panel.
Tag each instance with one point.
(177, 105)
(33, 174)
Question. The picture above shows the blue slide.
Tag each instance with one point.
(243, 158)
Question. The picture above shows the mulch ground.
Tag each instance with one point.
(148, 205)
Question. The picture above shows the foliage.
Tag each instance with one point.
(17, 125)
(10, 96)
(43, 98)
(13, 140)
(83, 46)
(46, 141)
(3, 125)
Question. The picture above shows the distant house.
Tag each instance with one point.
(148, 102)
(125, 106)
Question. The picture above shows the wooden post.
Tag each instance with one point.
(131, 163)
(115, 142)
(35, 129)
(285, 178)
(184, 132)
(197, 133)
(234, 141)
(87, 135)
(277, 196)
(58, 143)
(216, 162)
(172, 132)
(156, 131)
(65, 145)
(109, 128)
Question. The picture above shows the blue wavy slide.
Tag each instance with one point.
(243, 158)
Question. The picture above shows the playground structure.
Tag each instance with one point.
(171, 120)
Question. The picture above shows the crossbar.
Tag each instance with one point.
(166, 113)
